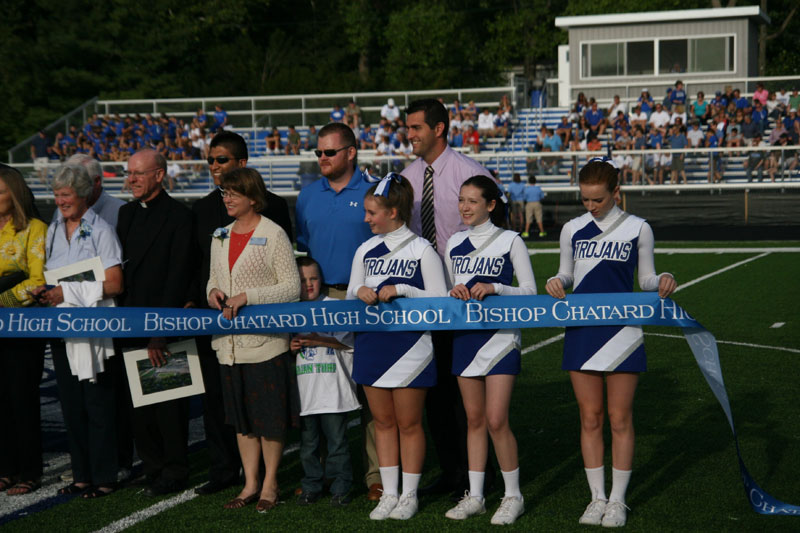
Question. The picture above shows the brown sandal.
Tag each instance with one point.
(238, 503)
(266, 505)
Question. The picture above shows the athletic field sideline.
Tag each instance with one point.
(685, 475)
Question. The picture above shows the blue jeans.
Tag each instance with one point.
(337, 464)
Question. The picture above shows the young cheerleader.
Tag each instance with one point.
(482, 261)
(615, 353)
(395, 368)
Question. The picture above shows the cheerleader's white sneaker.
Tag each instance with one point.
(593, 515)
(616, 514)
(406, 507)
(467, 506)
(385, 506)
(510, 509)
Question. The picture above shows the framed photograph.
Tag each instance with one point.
(178, 378)
(86, 270)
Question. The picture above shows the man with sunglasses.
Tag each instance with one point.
(228, 151)
(330, 227)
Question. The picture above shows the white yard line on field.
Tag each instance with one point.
(543, 343)
(144, 514)
(733, 343)
(720, 271)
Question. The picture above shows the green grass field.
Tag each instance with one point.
(685, 476)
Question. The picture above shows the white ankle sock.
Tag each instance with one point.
(476, 483)
(619, 484)
(511, 481)
(389, 478)
(410, 482)
(597, 482)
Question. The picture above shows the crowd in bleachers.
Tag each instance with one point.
(678, 122)
(116, 138)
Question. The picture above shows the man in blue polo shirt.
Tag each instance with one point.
(330, 227)
(595, 118)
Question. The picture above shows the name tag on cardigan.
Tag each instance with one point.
(258, 241)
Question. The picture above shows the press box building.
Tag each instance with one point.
(624, 53)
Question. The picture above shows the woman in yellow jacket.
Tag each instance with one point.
(22, 240)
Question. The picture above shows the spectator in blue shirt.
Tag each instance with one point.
(220, 118)
(595, 118)
(656, 140)
(337, 115)
(516, 192)
(792, 125)
(201, 118)
(367, 138)
(646, 102)
(760, 116)
(678, 95)
(533, 207)
(678, 141)
(456, 139)
(740, 101)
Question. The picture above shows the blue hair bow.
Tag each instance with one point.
(383, 186)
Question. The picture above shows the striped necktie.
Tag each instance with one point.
(426, 208)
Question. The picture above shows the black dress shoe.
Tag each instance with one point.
(163, 486)
(212, 487)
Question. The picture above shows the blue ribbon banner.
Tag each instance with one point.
(403, 314)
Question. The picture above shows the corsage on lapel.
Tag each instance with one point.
(220, 233)
(84, 230)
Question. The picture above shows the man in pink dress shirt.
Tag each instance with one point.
(427, 122)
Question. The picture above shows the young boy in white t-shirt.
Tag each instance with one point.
(324, 367)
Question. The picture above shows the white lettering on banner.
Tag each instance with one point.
(401, 268)
(674, 310)
(18, 322)
(323, 317)
(91, 325)
(563, 311)
(757, 499)
(403, 316)
(155, 322)
(494, 315)
(259, 323)
(477, 266)
(610, 250)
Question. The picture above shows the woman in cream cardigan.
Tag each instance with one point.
(252, 263)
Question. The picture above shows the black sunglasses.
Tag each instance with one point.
(220, 159)
(330, 152)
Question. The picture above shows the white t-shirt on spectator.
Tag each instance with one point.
(695, 137)
(612, 115)
(485, 121)
(659, 119)
(386, 148)
(676, 115)
(390, 113)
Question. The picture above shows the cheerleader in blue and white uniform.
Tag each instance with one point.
(481, 261)
(396, 368)
(599, 253)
